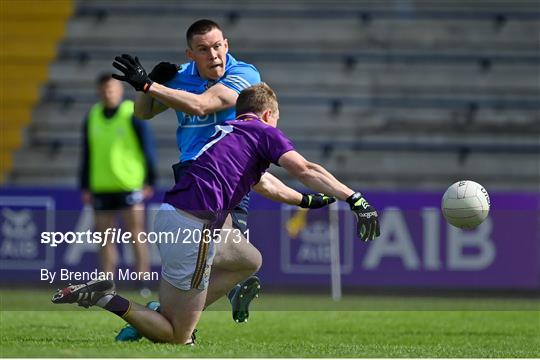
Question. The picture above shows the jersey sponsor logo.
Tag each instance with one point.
(193, 121)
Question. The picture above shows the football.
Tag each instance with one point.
(465, 204)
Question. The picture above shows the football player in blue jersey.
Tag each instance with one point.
(203, 92)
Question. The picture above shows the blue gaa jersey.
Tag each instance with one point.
(193, 131)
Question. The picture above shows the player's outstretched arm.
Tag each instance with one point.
(272, 188)
(313, 175)
(146, 107)
(317, 178)
(217, 98)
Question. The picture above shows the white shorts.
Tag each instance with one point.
(185, 264)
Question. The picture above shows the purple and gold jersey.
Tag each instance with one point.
(225, 169)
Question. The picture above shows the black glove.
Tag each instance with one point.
(163, 72)
(133, 71)
(315, 201)
(366, 216)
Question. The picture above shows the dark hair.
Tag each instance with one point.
(103, 78)
(200, 27)
(256, 99)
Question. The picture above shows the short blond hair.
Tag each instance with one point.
(256, 99)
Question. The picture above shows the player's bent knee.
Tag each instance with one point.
(252, 261)
(256, 261)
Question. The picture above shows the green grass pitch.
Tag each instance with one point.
(287, 326)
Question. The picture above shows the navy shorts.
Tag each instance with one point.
(239, 214)
(116, 200)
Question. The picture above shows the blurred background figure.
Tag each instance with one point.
(117, 171)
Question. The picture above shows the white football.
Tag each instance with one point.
(465, 204)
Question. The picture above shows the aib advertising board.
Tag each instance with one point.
(417, 248)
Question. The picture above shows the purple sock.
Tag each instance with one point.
(118, 305)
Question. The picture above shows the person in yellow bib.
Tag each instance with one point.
(117, 170)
